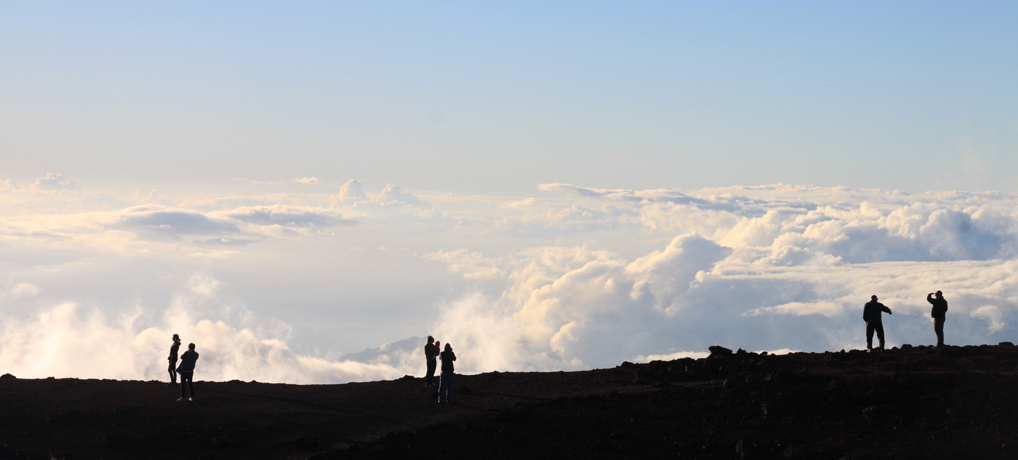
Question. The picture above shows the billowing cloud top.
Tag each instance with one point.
(570, 278)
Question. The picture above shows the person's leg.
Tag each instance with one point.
(448, 389)
(443, 381)
(938, 327)
(173, 372)
(429, 378)
(869, 335)
(880, 334)
(185, 384)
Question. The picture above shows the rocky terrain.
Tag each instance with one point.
(913, 402)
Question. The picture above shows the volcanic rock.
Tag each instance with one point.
(918, 402)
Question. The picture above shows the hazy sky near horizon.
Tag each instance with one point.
(546, 185)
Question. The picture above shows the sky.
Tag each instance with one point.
(305, 191)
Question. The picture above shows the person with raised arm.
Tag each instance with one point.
(871, 314)
(939, 313)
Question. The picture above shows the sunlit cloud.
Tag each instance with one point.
(570, 278)
(54, 182)
(21, 289)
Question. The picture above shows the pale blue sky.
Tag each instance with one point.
(485, 97)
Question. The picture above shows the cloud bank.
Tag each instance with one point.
(568, 278)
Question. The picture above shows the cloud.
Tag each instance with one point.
(287, 216)
(571, 278)
(352, 191)
(54, 182)
(471, 265)
(575, 308)
(160, 221)
(825, 308)
(20, 290)
(394, 195)
(547, 223)
(993, 315)
(23, 290)
(306, 180)
(178, 229)
(66, 340)
(666, 195)
(673, 356)
(776, 267)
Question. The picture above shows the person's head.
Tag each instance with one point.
(190, 346)
(431, 339)
(448, 347)
(176, 338)
(873, 298)
(940, 294)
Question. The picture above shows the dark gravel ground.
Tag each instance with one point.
(914, 402)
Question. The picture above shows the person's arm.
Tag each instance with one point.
(884, 308)
(929, 298)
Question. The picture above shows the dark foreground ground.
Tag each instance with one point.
(953, 403)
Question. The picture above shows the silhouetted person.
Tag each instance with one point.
(939, 313)
(431, 355)
(445, 388)
(871, 314)
(173, 358)
(186, 371)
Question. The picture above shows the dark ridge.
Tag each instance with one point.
(913, 402)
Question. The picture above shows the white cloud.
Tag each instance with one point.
(993, 315)
(573, 277)
(23, 290)
(785, 258)
(470, 264)
(395, 195)
(673, 356)
(825, 308)
(352, 191)
(54, 182)
(307, 180)
(68, 341)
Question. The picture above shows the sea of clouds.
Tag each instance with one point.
(568, 278)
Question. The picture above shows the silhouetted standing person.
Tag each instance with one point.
(445, 388)
(186, 371)
(173, 358)
(939, 313)
(871, 314)
(431, 355)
